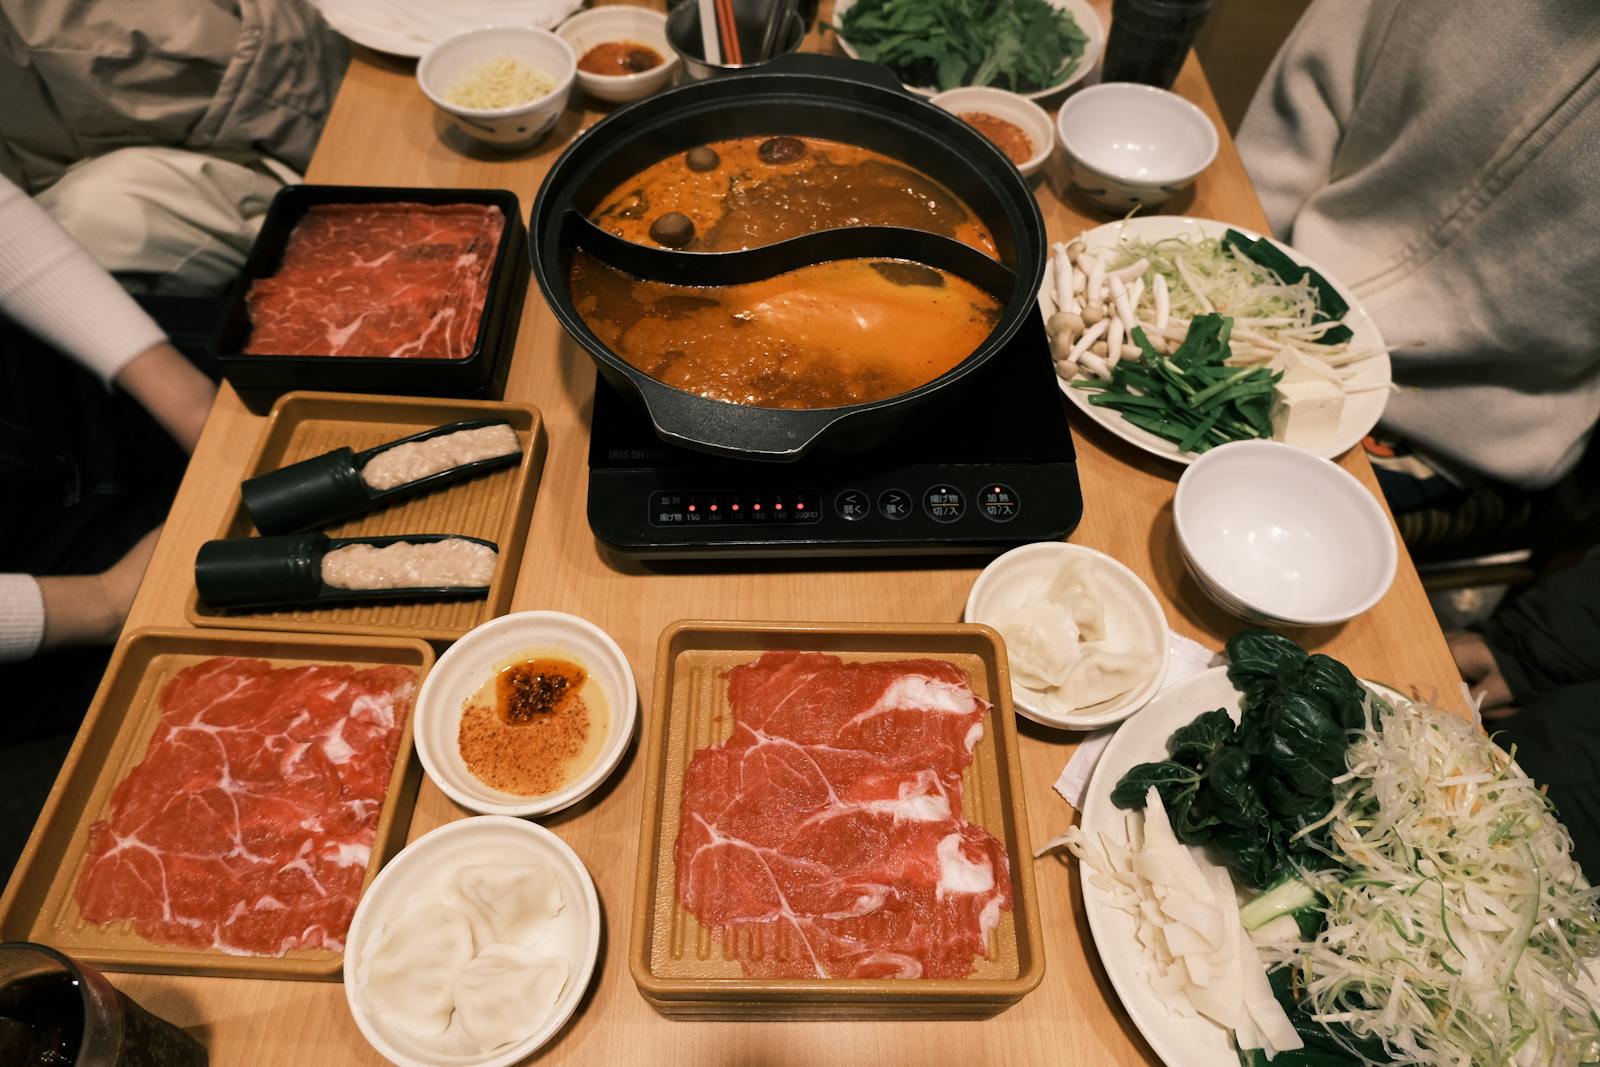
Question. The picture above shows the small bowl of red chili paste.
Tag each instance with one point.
(1016, 125)
(623, 52)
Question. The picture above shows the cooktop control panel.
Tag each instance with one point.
(993, 470)
(899, 511)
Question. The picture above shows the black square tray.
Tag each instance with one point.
(259, 379)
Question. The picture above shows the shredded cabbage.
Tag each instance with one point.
(1461, 930)
(1234, 285)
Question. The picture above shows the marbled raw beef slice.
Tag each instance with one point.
(248, 823)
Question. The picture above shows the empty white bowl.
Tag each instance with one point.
(1134, 145)
(418, 871)
(1131, 610)
(450, 62)
(1017, 110)
(637, 25)
(1278, 536)
(474, 659)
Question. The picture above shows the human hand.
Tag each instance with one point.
(90, 609)
(1478, 668)
(172, 390)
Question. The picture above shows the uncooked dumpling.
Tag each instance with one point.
(409, 969)
(506, 905)
(1041, 643)
(505, 994)
(1075, 586)
(1103, 673)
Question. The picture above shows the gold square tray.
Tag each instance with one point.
(682, 968)
(495, 506)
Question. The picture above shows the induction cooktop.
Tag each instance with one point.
(992, 470)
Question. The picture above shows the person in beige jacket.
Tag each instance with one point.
(1442, 158)
(157, 132)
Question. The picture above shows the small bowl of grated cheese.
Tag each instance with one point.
(503, 85)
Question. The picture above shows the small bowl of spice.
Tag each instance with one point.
(1017, 126)
(527, 714)
(622, 52)
(503, 85)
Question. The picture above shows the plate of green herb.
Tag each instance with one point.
(1030, 47)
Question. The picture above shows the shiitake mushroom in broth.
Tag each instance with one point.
(832, 334)
(746, 192)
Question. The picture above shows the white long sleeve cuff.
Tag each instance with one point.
(21, 617)
(51, 285)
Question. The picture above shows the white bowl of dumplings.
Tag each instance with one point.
(473, 947)
(1086, 639)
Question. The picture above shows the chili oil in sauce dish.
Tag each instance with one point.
(620, 59)
(535, 726)
(1010, 138)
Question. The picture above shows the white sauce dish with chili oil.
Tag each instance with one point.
(1012, 117)
(639, 32)
(527, 714)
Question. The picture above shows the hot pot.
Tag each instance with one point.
(820, 96)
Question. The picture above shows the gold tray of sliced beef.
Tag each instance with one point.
(227, 801)
(834, 826)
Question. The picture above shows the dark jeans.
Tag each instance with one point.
(1557, 739)
(1547, 644)
(84, 474)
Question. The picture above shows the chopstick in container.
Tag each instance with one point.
(709, 48)
(729, 27)
(777, 24)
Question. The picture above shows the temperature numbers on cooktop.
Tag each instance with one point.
(785, 507)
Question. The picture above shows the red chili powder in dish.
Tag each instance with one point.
(1008, 136)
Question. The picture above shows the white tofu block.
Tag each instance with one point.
(1301, 368)
(1306, 412)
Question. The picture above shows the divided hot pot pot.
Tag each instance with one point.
(799, 95)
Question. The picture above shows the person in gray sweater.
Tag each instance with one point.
(1442, 158)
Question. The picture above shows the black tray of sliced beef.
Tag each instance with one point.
(377, 290)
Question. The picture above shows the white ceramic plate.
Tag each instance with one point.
(1180, 1042)
(411, 27)
(424, 865)
(1087, 21)
(1014, 576)
(1362, 409)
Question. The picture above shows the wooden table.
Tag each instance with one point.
(383, 132)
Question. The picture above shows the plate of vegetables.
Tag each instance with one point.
(1034, 48)
(1179, 334)
(1373, 879)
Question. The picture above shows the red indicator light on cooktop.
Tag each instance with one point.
(736, 507)
(756, 506)
(779, 505)
(713, 507)
(691, 507)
